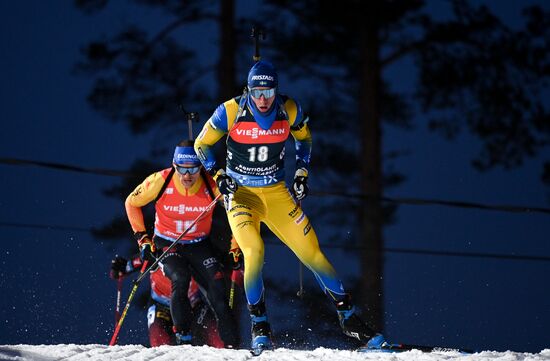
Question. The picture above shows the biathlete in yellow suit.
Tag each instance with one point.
(257, 125)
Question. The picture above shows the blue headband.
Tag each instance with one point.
(186, 156)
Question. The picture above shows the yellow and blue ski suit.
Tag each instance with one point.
(255, 159)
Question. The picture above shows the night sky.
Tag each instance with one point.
(53, 274)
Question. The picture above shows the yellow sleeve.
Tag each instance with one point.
(213, 130)
(208, 136)
(291, 110)
(144, 194)
(302, 134)
(231, 110)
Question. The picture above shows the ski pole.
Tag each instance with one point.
(130, 298)
(300, 292)
(234, 275)
(118, 297)
(145, 269)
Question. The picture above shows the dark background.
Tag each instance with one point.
(53, 271)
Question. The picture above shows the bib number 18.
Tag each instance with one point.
(258, 153)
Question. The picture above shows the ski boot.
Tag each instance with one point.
(353, 326)
(182, 338)
(261, 331)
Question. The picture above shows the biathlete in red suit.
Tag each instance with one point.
(182, 193)
(159, 320)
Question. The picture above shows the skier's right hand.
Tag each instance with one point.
(147, 247)
(118, 267)
(226, 184)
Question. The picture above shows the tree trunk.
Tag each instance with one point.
(371, 170)
(226, 62)
(226, 90)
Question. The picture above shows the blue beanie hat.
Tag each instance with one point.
(262, 74)
(186, 156)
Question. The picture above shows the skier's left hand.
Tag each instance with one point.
(299, 187)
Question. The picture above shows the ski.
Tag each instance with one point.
(384, 348)
(399, 347)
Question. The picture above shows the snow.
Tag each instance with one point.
(204, 353)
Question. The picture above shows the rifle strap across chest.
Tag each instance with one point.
(166, 181)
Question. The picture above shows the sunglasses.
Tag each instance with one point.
(190, 170)
(267, 93)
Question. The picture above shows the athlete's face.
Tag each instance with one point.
(187, 175)
(262, 103)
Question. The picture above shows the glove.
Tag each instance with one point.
(146, 247)
(299, 187)
(226, 184)
(236, 258)
(118, 267)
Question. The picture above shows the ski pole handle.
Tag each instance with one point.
(130, 298)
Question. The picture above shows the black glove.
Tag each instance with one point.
(299, 187)
(147, 247)
(236, 258)
(226, 184)
(118, 267)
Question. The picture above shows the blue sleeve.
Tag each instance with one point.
(303, 150)
(207, 158)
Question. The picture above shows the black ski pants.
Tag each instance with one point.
(197, 260)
